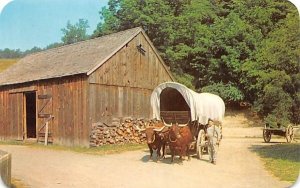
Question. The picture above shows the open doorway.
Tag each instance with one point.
(172, 100)
(30, 105)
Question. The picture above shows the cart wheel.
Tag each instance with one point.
(267, 135)
(200, 143)
(289, 133)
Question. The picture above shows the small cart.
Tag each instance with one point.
(287, 132)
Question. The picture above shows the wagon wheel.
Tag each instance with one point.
(289, 133)
(200, 143)
(267, 135)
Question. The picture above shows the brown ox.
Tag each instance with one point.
(154, 139)
(180, 138)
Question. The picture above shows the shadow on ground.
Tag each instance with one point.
(167, 160)
(278, 150)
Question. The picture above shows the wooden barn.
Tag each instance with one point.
(71, 87)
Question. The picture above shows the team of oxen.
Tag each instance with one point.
(177, 136)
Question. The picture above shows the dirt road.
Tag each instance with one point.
(237, 166)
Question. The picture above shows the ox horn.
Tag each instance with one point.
(159, 129)
(167, 125)
(138, 128)
(183, 125)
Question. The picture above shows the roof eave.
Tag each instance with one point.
(41, 79)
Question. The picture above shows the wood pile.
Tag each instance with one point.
(118, 132)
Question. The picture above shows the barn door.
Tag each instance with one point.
(45, 117)
(15, 129)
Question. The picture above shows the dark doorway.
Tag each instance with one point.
(172, 100)
(173, 107)
(30, 114)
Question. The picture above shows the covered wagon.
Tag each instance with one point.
(175, 103)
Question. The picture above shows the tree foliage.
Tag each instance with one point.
(75, 33)
(241, 49)
(275, 71)
(228, 92)
(12, 54)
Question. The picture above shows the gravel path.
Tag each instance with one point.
(237, 166)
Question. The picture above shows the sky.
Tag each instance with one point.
(25, 24)
(28, 23)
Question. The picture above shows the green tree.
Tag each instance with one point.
(228, 92)
(234, 46)
(8, 53)
(75, 33)
(275, 71)
(54, 45)
(32, 50)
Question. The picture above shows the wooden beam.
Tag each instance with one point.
(24, 118)
(23, 89)
(46, 133)
(46, 96)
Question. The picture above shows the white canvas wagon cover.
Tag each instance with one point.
(202, 105)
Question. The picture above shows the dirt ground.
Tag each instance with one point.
(237, 166)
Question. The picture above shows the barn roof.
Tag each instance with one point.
(78, 58)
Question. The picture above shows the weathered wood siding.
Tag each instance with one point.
(68, 105)
(122, 86)
(69, 108)
(11, 115)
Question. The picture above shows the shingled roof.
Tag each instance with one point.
(78, 58)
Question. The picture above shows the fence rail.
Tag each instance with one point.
(5, 168)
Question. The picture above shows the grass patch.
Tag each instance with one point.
(283, 160)
(5, 63)
(102, 150)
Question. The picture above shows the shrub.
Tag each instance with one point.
(185, 79)
(228, 92)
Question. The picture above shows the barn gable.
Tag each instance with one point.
(130, 66)
(129, 76)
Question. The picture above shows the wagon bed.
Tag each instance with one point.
(175, 116)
